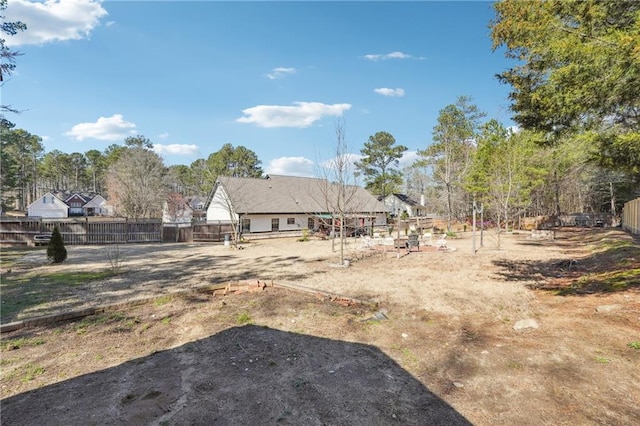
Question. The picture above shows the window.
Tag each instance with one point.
(291, 221)
(246, 225)
(275, 224)
(311, 224)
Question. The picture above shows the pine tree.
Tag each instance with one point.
(56, 252)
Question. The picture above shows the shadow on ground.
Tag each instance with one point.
(243, 375)
(29, 294)
(598, 261)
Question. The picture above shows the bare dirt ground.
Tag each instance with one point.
(440, 348)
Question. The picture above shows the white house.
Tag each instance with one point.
(98, 206)
(65, 204)
(399, 203)
(48, 206)
(177, 210)
(287, 203)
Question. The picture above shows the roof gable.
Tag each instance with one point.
(291, 194)
(406, 199)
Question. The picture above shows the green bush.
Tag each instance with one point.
(56, 252)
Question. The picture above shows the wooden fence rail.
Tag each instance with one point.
(631, 216)
(81, 230)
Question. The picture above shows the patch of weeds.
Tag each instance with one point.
(12, 344)
(409, 355)
(7, 361)
(74, 278)
(515, 365)
(116, 316)
(166, 320)
(602, 360)
(163, 300)
(82, 326)
(305, 236)
(31, 372)
(634, 345)
(243, 318)
(144, 327)
(131, 322)
(98, 357)
(120, 329)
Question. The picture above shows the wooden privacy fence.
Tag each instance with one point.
(82, 230)
(631, 216)
(197, 232)
(211, 232)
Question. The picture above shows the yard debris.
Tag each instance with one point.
(241, 287)
(567, 264)
(344, 301)
(378, 316)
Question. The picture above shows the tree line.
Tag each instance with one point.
(131, 176)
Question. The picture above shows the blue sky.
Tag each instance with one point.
(271, 76)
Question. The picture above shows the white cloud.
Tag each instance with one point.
(392, 55)
(280, 72)
(302, 114)
(53, 20)
(45, 138)
(407, 159)
(349, 158)
(390, 92)
(175, 149)
(163, 135)
(105, 128)
(291, 166)
(514, 129)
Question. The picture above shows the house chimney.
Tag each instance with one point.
(422, 200)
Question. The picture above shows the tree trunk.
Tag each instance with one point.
(613, 199)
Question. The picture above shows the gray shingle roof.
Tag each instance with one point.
(290, 194)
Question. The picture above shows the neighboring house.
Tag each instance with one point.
(65, 204)
(196, 203)
(48, 206)
(177, 209)
(287, 203)
(399, 203)
(97, 206)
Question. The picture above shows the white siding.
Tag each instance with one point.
(53, 207)
(381, 219)
(219, 208)
(259, 223)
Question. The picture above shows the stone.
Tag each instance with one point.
(607, 308)
(525, 323)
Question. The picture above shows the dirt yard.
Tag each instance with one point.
(442, 346)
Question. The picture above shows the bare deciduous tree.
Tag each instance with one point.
(136, 184)
(339, 187)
